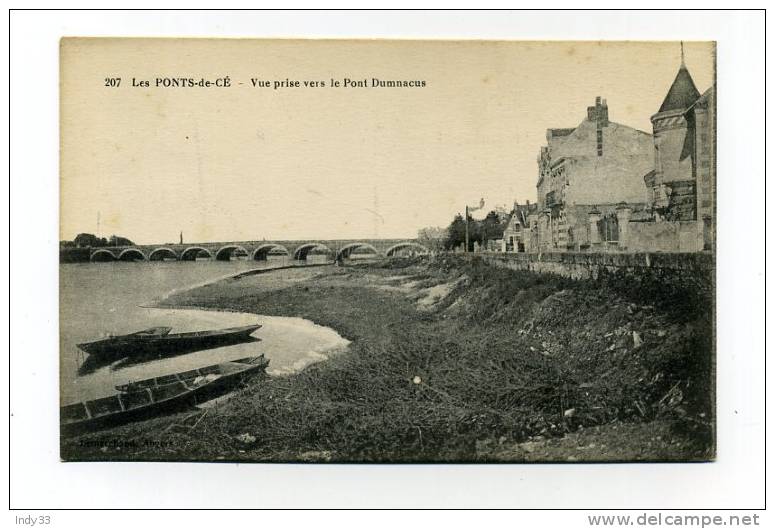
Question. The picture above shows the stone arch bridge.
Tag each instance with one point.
(257, 250)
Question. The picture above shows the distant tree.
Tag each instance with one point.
(491, 227)
(456, 233)
(432, 237)
(488, 229)
(83, 240)
(116, 240)
(89, 240)
(475, 233)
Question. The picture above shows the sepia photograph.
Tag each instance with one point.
(387, 251)
(278, 251)
(506, 263)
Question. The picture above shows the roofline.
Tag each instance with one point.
(614, 123)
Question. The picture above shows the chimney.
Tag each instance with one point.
(599, 114)
(602, 113)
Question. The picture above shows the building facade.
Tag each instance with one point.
(592, 171)
(516, 235)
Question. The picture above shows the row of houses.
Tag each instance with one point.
(605, 186)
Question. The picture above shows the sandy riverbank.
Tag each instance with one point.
(449, 362)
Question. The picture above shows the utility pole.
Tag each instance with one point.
(466, 247)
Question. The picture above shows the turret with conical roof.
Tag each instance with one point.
(672, 141)
(682, 94)
(681, 185)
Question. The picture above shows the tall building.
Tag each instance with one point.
(585, 174)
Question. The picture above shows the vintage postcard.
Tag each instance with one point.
(387, 250)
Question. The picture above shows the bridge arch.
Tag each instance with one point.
(191, 253)
(159, 254)
(409, 244)
(260, 253)
(100, 256)
(301, 252)
(347, 250)
(225, 252)
(131, 254)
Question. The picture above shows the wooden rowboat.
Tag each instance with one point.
(146, 398)
(158, 341)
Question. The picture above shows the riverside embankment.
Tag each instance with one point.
(454, 360)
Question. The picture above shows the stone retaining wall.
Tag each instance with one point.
(693, 267)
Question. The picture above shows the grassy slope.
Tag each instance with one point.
(508, 364)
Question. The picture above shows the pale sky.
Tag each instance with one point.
(244, 163)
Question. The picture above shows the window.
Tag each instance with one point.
(609, 228)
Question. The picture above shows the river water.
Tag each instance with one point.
(97, 299)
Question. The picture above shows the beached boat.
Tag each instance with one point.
(147, 398)
(159, 341)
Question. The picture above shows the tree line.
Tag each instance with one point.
(490, 228)
(89, 240)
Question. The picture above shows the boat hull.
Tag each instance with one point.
(161, 345)
(147, 402)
